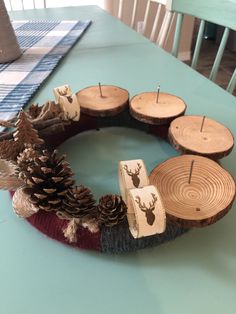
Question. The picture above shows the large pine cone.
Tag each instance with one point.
(48, 178)
(112, 210)
(78, 203)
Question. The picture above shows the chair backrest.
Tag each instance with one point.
(165, 23)
(221, 12)
(23, 4)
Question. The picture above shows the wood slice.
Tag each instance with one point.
(215, 141)
(113, 100)
(203, 201)
(144, 107)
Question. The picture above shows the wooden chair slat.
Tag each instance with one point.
(171, 28)
(164, 29)
(198, 44)
(134, 13)
(178, 28)
(155, 23)
(120, 9)
(165, 23)
(219, 55)
(232, 83)
(146, 14)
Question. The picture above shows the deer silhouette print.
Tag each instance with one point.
(134, 175)
(64, 93)
(148, 210)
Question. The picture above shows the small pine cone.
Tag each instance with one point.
(79, 202)
(112, 210)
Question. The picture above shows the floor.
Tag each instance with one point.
(206, 59)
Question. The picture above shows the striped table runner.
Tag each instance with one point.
(44, 44)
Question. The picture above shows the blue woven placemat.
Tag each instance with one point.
(44, 44)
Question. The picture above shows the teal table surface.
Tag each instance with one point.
(195, 273)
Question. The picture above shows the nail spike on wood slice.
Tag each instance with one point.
(100, 90)
(191, 171)
(158, 93)
(203, 121)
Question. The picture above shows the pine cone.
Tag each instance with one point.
(112, 210)
(78, 203)
(25, 159)
(48, 179)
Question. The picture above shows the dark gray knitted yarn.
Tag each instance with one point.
(119, 239)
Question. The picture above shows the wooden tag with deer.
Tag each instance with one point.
(68, 102)
(64, 90)
(146, 214)
(132, 174)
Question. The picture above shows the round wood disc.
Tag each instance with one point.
(215, 141)
(144, 107)
(113, 100)
(203, 201)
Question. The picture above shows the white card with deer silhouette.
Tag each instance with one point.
(70, 107)
(149, 216)
(63, 90)
(68, 102)
(132, 174)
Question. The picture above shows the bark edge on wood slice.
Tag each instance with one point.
(203, 201)
(215, 141)
(144, 108)
(114, 100)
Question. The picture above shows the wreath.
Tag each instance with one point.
(45, 193)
